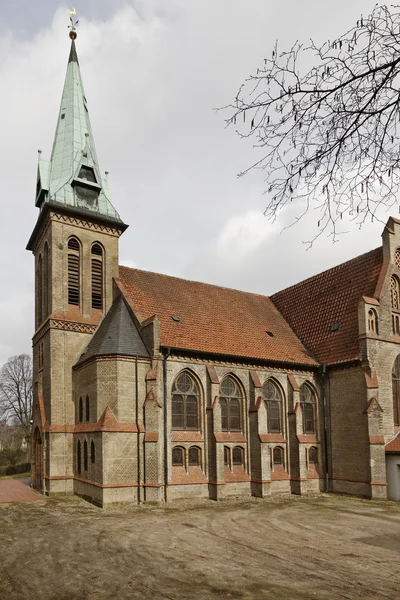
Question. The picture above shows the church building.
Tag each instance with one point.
(153, 388)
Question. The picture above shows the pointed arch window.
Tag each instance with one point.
(227, 456)
(85, 456)
(46, 280)
(278, 455)
(396, 390)
(194, 457)
(238, 456)
(92, 453)
(231, 400)
(87, 411)
(97, 276)
(80, 412)
(307, 400)
(372, 321)
(273, 397)
(78, 457)
(185, 403)
(40, 290)
(394, 293)
(178, 457)
(73, 271)
(313, 456)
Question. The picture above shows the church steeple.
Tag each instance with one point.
(72, 178)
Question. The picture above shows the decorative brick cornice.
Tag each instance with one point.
(72, 326)
(86, 224)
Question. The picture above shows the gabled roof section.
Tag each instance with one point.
(205, 318)
(72, 178)
(116, 335)
(394, 444)
(323, 310)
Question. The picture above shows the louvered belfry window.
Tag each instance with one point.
(97, 277)
(73, 272)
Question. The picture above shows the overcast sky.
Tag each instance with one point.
(153, 72)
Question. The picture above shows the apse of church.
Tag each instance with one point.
(150, 388)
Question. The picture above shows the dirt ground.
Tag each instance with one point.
(279, 549)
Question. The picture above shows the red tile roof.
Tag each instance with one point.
(394, 445)
(312, 306)
(213, 319)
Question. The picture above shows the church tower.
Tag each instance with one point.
(75, 245)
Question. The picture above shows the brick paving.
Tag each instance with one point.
(17, 490)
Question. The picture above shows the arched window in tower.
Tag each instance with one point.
(97, 276)
(80, 410)
(394, 293)
(73, 271)
(273, 397)
(78, 457)
(87, 407)
(372, 321)
(185, 403)
(40, 290)
(92, 453)
(46, 280)
(396, 390)
(307, 401)
(231, 405)
(85, 456)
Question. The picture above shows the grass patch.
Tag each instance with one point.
(16, 476)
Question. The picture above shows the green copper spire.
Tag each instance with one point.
(72, 178)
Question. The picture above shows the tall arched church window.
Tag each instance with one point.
(46, 280)
(394, 292)
(396, 390)
(80, 410)
(78, 457)
(231, 405)
(307, 400)
(40, 290)
(185, 403)
(87, 407)
(397, 258)
(92, 452)
(372, 321)
(73, 272)
(97, 276)
(273, 397)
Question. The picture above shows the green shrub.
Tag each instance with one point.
(15, 469)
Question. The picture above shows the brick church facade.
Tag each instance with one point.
(150, 388)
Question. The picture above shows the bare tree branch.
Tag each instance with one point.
(329, 137)
(16, 391)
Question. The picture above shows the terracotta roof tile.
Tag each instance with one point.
(312, 306)
(213, 319)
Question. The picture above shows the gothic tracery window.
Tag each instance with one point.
(396, 390)
(231, 405)
(185, 403)
(307, 401)
(397, 258)
(273, 397)
(394, 293)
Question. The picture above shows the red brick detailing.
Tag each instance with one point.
(58, 477)
(271, 438)
(151, 397)
(237, 474)
(229, 437)
(376, 440)
(151, 436)
(182, 477)
(394, 444)
(312, 306)
(255, 379)
(307, 438)
(257, 405)
(279, 473)
(106, 485)
(293, 383)
(372, 301)
(186, 436)
(214, 325)
(151, 374)
(313, 472)
(371, 382)
(212, 374)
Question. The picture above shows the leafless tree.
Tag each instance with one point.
(328, 136)
(16, 391)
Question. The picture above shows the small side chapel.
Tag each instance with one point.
(151, 388)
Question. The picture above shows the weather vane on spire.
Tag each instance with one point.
(72, 27)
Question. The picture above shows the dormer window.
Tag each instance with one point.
(87, 173)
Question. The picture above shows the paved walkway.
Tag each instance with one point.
(17, 490)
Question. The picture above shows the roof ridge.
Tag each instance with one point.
(221, 287)
(346, 262)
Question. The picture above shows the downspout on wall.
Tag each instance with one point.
(325, 419)
(139, 474)
(165, 406)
